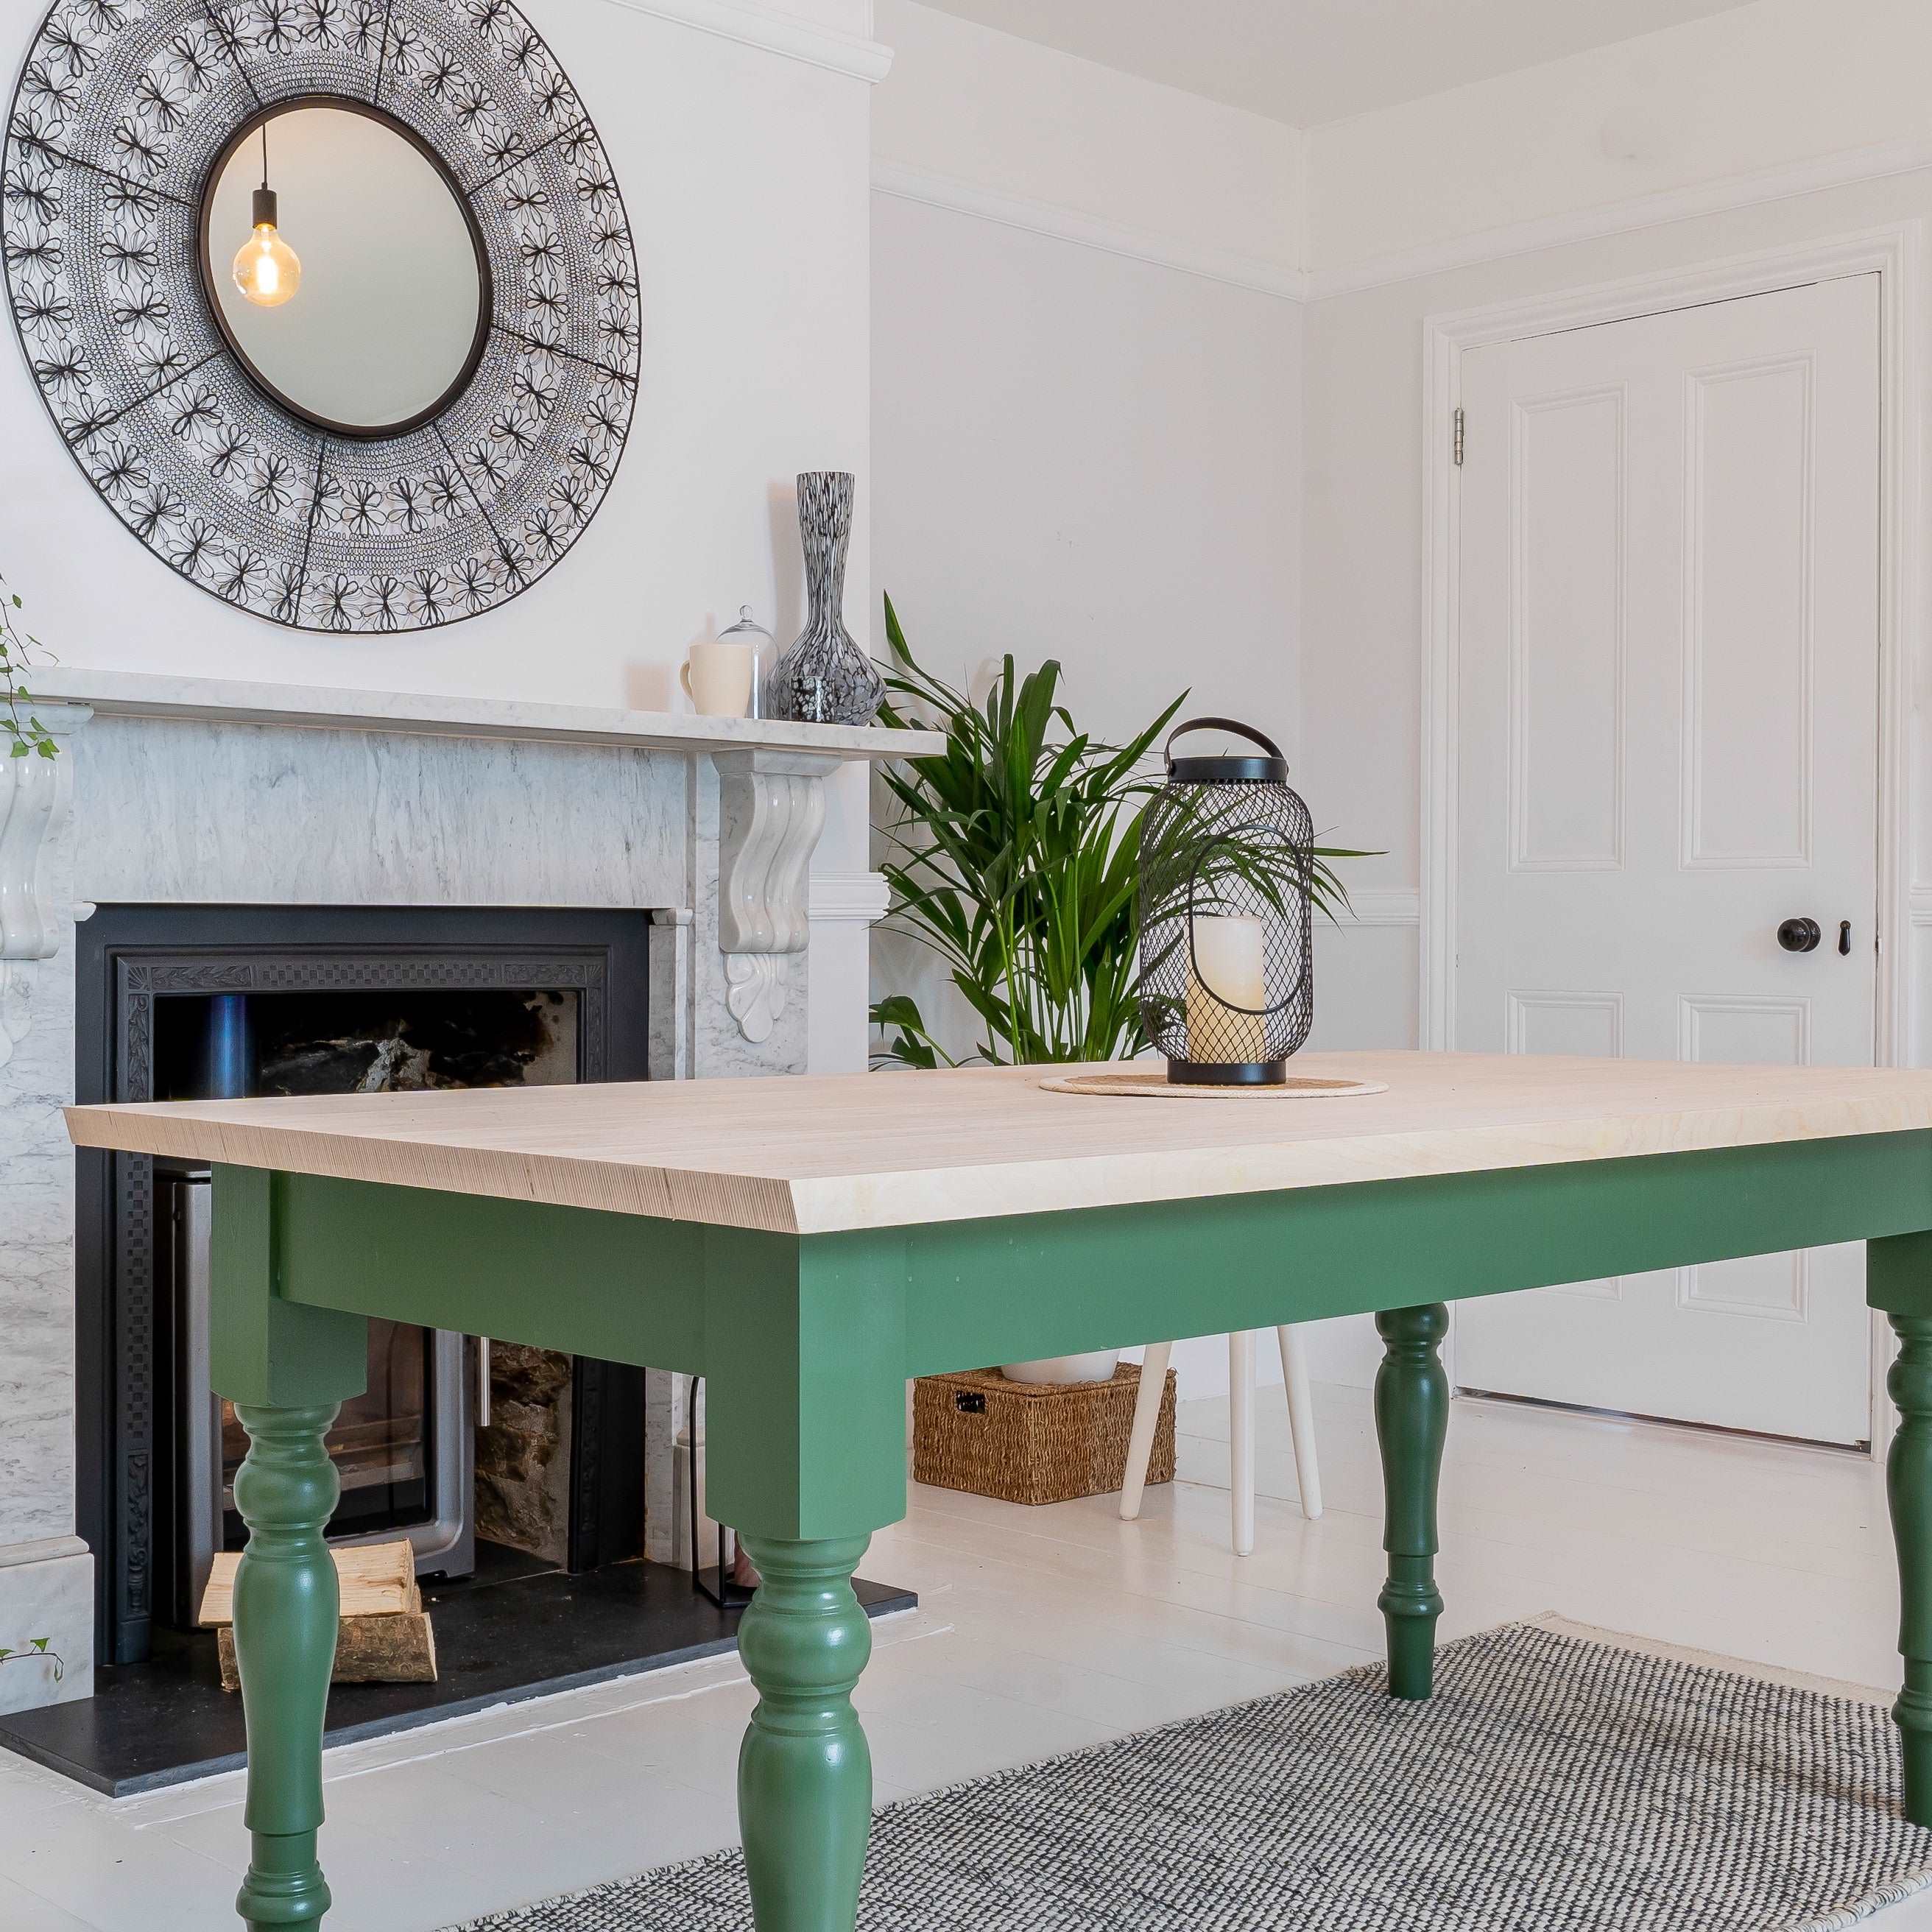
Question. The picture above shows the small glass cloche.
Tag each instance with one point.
(748, 630)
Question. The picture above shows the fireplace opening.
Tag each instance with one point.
(458, 1443)
(453, 1440)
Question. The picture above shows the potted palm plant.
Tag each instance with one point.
(1013, 858)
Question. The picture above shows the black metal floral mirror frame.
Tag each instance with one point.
(124, 112)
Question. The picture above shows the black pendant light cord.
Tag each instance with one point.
(268, 211)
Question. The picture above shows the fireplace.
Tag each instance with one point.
(540, 1455)
(178, 802)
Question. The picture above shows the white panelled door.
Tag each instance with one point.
(1667, 721)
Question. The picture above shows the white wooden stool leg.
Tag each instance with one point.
(1300, 1419)
(1241, 1436)
(1147, 1419)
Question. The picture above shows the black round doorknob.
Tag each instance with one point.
(1799, 935)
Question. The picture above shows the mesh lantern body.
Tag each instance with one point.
(1227, 865)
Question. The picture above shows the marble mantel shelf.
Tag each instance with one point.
(770, 792)
(319, 707)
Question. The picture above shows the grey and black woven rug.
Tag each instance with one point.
(1553, 1785)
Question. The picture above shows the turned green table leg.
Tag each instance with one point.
(805, 1772)
(287, 1369)
(1411, 1420)
(1909, 1485)
(286, 1600)
(1898, 1281)
(805, 1455)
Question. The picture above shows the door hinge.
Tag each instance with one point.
(1456, 447)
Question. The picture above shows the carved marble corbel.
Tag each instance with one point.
(36, 801)
(771, 810)
(756, 992)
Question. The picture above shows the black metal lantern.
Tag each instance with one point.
(1227, 866)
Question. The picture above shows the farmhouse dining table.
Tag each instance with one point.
(807, 1244)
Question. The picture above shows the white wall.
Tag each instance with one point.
(1032, 134)
(1082, 450)
(1084, 457)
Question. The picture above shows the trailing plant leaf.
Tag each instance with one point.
(27, 737)
(37, 1648)
(1014, 857)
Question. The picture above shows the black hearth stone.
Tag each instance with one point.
(515, 1630)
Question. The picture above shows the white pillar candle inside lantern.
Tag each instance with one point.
(1227, 969)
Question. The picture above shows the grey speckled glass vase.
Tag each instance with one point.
(825, 678)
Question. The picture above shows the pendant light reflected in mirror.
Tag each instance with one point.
(395, 302)
(267, 271)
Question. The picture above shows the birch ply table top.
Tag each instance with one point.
(821, 1155)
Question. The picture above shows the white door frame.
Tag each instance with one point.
(1894, 253)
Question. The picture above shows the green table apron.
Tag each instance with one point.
(805, 1342)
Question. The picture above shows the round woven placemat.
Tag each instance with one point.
(1158, 1086)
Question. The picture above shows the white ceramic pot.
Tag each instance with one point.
(1057, 1371)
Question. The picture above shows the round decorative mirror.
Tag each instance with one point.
(334, 302)
(389, 309)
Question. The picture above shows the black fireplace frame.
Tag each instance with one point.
(129, 956)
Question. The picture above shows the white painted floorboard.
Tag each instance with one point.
(1039, 1630)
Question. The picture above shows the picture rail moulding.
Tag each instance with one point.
(904, 182)
(1784, 181)
(1289, 283)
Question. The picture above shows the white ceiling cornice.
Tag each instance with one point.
(776, 29)
(1783, 182)
(1586, 224)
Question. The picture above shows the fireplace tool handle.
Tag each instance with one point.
(482, 1381)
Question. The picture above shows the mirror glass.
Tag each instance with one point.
(390, 294)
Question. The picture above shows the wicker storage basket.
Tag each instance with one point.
(1024, 1444)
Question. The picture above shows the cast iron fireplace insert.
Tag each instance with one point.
(185, 1001)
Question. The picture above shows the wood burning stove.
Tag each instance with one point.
(404, 1450)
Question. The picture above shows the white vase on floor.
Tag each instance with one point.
(1058, 1371)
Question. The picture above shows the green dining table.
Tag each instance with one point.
(807, 1244)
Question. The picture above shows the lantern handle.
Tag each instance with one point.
(1233, 724)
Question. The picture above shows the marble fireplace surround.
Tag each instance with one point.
(194, 791)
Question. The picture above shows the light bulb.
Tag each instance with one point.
(267, 270)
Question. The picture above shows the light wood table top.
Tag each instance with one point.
(817, 1155)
